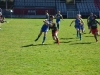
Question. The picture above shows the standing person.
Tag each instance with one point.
(58, 16)
(54, 29)
(88, 22)
(94, 28)
(47, 14)
(44, 28)
(82, 24)
(78, 24)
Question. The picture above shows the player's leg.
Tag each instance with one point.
(44, 38)
(80, 35)
(83, 29)
(89, 27)
(58, 24)
(56, 36)
(38, 36)
(96, 34)
(53, 35)
(77, 30)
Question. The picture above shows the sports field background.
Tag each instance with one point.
(18, 55)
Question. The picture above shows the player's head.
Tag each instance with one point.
(91, 14)
(51, 17)
(78, 16)
(94, 17)
(46, 11)
(58, 12)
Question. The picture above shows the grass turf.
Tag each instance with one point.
(18, 55)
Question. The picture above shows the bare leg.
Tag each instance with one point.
(44, 38)
(38, 36)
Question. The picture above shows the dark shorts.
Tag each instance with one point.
(54, 33)
(94, 30)
(89, 25)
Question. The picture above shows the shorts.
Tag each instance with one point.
(44, 28)
(78, 27)
(82, 27)
(89, 25)
(94, 30)
(54, 33)
(58, 21)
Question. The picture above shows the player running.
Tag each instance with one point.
(44, 28)
(54, 29)
(82, 24)
(58, 16)
(88, 22)
(78, 24)
(47, 14)
(94, 28)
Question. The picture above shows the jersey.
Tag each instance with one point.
(89, 18)
(82, 25)
(77, 23)
(46, 26)
(58, 16)
(54, 28)
(94, 24)
(47, 16)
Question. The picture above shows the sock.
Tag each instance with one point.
(58, 41)
(44, 38)
(80, 36)
(37, 38)
(58, 26)
(77, 33)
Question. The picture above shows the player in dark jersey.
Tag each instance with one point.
(88, 21)
(47, 14)
(54, 29)
(94, 27)
(44, 28)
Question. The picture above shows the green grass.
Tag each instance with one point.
(71, 57)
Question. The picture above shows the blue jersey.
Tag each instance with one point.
(47, 16)
(58, 16)
(90, 18)
(77, 23)
(46, 26)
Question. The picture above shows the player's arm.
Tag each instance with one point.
(98, 22)
(55, 16)
(72, 22)
(88, 20)
(46, 22)
(61, 17)
(82, 21)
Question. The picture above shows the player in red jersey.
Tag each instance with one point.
(94, 28)
(54, 29)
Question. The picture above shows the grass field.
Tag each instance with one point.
(72, 57)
